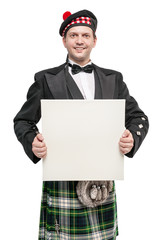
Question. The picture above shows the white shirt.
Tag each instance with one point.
(84, 81)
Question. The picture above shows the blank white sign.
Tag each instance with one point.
(82, 139)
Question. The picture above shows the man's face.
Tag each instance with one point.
(79, 42)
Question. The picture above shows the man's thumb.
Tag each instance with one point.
(40, 137)
(126, 133)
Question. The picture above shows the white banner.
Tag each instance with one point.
(82, 139)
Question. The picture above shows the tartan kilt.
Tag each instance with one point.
(63, 217)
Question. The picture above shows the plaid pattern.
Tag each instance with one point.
(85, 20)
(60, 205)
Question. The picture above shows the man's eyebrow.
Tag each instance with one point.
(78, 33)
(73, 32)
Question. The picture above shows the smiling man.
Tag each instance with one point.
(63, 214)
(79, 42)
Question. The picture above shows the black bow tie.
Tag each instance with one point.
(76, 68)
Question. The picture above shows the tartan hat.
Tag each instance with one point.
(81, 18)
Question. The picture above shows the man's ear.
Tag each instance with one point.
(95, 40)
(64, 41)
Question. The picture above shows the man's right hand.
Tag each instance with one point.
(39, 147)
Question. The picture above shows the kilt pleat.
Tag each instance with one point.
(63, 217)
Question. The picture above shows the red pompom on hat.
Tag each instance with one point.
(66, 15)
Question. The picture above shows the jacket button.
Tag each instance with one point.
(140, 125)
(138, 133)
(143, 119)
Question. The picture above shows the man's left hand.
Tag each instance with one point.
(126, 142)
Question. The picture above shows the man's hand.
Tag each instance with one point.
(126, 142)
(39, 147)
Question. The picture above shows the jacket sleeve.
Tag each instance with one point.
(135, 119)
(26, 119)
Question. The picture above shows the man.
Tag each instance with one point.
(63, 216)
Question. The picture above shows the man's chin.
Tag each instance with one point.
(81, 61)
(80, 57)
(80, 54)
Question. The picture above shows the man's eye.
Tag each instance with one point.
(73, 35)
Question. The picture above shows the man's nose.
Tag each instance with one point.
(79, 40)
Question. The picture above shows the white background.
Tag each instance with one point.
(131, 39)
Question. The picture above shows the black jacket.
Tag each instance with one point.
(56, 83)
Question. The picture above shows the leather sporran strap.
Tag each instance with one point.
(93, 193)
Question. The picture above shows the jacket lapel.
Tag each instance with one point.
(98, 90)
(57, 85)
(107, 83)
(61, 84)
(72, 86)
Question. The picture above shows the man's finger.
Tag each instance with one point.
(126, 145)
(40, 150)
(124, 150)
(41, 155)
(38, 144)
(126, 140)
